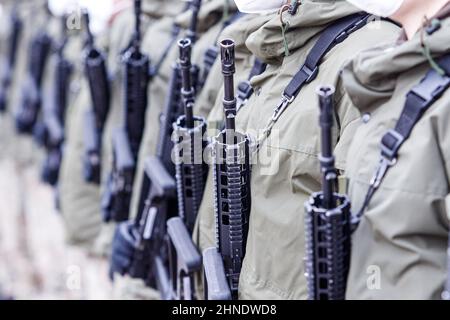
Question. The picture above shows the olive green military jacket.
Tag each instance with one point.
(399, 249)
(287, 169)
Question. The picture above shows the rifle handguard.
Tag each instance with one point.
(191, 170)
(328, 247)
(99, 88)
(232, 172)
(137, 66)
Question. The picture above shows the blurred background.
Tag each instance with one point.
(36, 260)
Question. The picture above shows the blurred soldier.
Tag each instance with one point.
(286, 168)
(213, 17)
(398, 162)
(80, 200)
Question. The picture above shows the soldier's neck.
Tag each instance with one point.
(411, 14)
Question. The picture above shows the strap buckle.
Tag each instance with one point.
(211, 55)
(244, 90)
(390, 144)
(432, 88)
(282, 105)
(312, 74)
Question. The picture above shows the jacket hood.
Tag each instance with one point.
(311, 18)
(372, 75)
(160, 8)
(239, 32)
(211, 11)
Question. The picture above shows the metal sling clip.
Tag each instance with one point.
(383, 167)
(281, 107)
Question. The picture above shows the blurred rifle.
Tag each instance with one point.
(54, 117)
(95, 118)
(127, 139)
(231, 163)
(31, 103)
(191, 173)
(143, 243)
(8, 67)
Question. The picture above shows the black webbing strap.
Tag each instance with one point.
(331, 36)
(418, 100)
(212, 52)
(154, 70)
(244, 89)
(173, 39)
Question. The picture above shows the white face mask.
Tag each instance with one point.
(382, 8)
(259, 6)
(61, 7)
(100, 12)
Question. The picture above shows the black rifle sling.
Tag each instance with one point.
(418, 100)
(175, 32)
(330, 37)
(244, 89)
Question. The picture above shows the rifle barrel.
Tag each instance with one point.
(325, 94)
(227, 47)
(187, 90)
(138, 12)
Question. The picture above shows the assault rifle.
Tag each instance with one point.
(191, 173)
(8, 67)
(127, 139)
(231, 163)
(328, 220)
(31, 103)
(54, 117)
(94, 119)
(140, 247)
